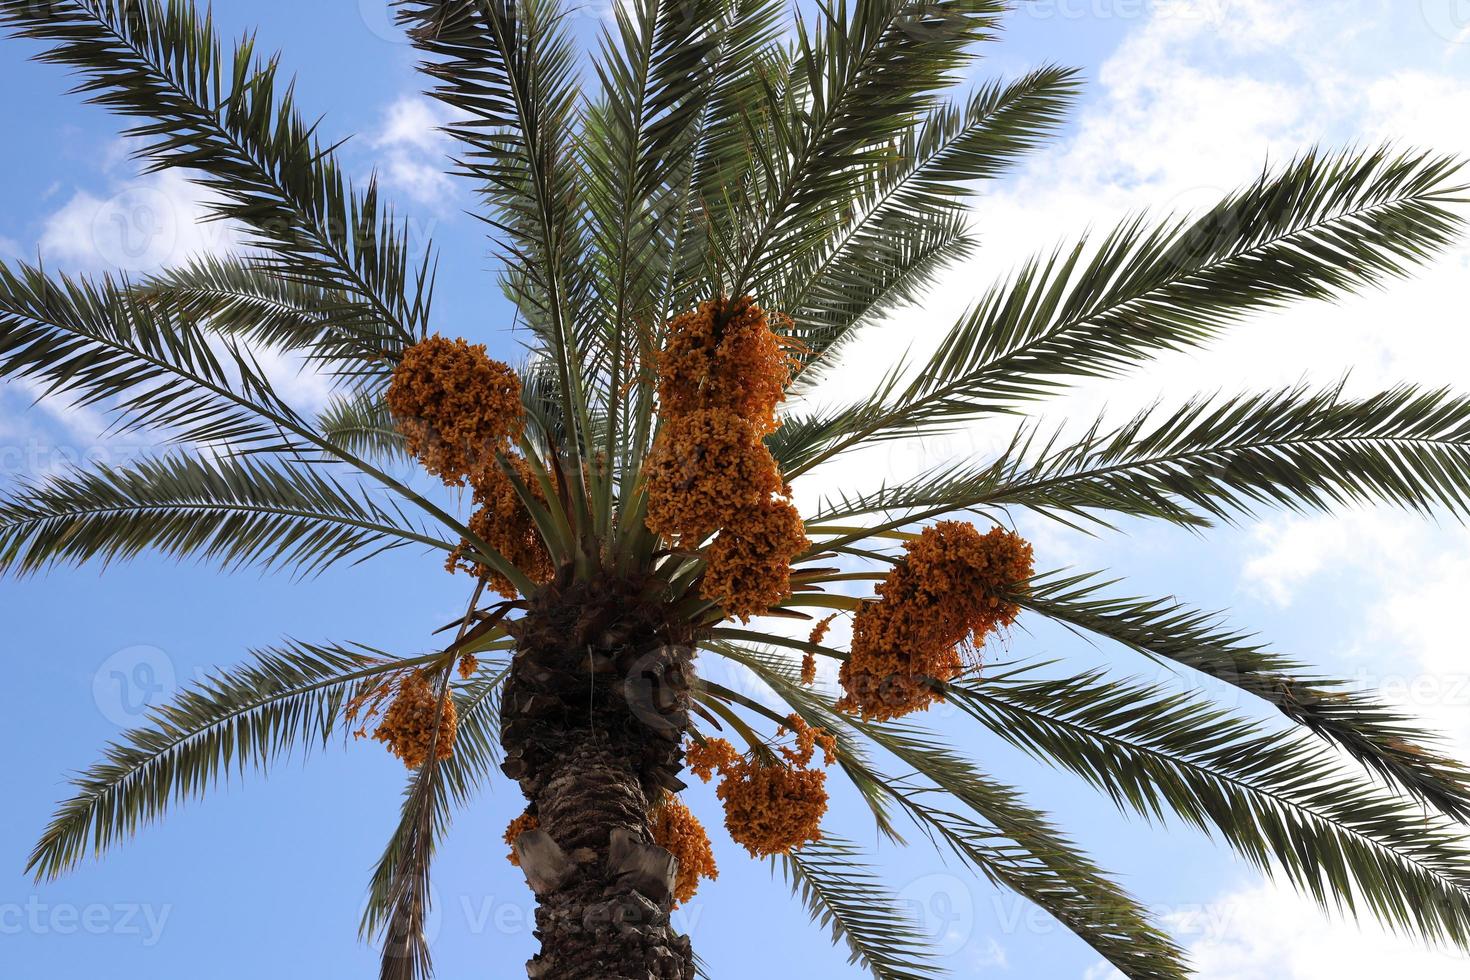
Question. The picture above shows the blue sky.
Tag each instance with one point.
(1186, 100)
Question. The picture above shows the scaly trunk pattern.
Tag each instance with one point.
(593, 719)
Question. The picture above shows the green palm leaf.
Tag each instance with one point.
(890, 264)
(863, 74)
(1011, 844)
(398, 895)
(746, 55)
(1208, 460)
(878, 257)
(98, 342)
(1298, 449)
(507, 68)
(247, 717)
(1019, 475)
(362, 424)
(1381, 737)
(234, 511)
(1030, 858)
(1323, 226)
(636, 143)
(244, 297)
(101, 342)
(228, 122)
(1281, 802)
(843, 895)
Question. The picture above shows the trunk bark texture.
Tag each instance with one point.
(593, 719)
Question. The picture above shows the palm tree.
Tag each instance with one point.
(632, 483)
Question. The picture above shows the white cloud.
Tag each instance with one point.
(1421, 615)
(417, 152)
(140, 225)
(1403, 579)
(413, 121)
(1458, 42)
(133, 226)
(1270, 933)
(44, 436)
(302, 386)
(83, 423)
(989, 955)
(1292, 552)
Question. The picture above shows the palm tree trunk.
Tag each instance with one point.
(604, 890)
(593, 717)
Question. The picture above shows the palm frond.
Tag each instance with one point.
(845, 896)
(654, 66)
(241, 296)
(747, 55)
(1011, 844)
(98, 342)
(1325, 225)
(878, 257)
(803, 440)
(508, 68)
(1296, 448)
(864, 73)
(890, 265)
(1383, 738)
(396, 906)
(362, 424)
(1210, 459)
(233, 511)
(1027, 461)
(1281, 802)
(405, 907)
(230, 123)
(1017, 848)
(248, 717)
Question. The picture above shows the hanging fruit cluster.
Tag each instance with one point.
(518, 826)
(678, 831)
(726, 357)
(771, 806)
(459, 410)
(815, 638)
(502, 521)
(415, 719)
(949, 592)
(455, 406)
(721, 374)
